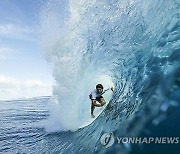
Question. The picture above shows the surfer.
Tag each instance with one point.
(96, 95)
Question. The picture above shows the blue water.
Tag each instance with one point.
(133, 44)
(20, 131)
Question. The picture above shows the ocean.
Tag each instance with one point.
(132, 45)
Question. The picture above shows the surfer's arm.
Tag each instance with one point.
(105, 91)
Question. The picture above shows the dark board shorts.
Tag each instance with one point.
(98, 98)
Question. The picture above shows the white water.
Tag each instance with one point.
(75, 78)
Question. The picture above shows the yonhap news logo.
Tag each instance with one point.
(108, 139)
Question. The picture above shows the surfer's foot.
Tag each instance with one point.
(92, 115)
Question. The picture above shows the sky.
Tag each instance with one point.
(24, 71)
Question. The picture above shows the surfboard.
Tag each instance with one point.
(98, 110)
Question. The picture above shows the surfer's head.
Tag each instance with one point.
(99, 88)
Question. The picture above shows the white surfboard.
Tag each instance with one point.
(98, 110)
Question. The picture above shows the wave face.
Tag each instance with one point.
(133, 45)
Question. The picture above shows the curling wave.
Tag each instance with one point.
(132, 45)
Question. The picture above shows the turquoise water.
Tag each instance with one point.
(132, 44)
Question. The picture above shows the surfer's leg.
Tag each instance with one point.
(102, 101)
(92, 110)
(93, 105)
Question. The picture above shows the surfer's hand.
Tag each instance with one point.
(103, 103)
(112, 89)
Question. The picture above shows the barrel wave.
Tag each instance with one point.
(132, 45)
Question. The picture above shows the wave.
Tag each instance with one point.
(132, 45)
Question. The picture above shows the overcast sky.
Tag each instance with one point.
(23, 69)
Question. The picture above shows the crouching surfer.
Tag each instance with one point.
(96, 95)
